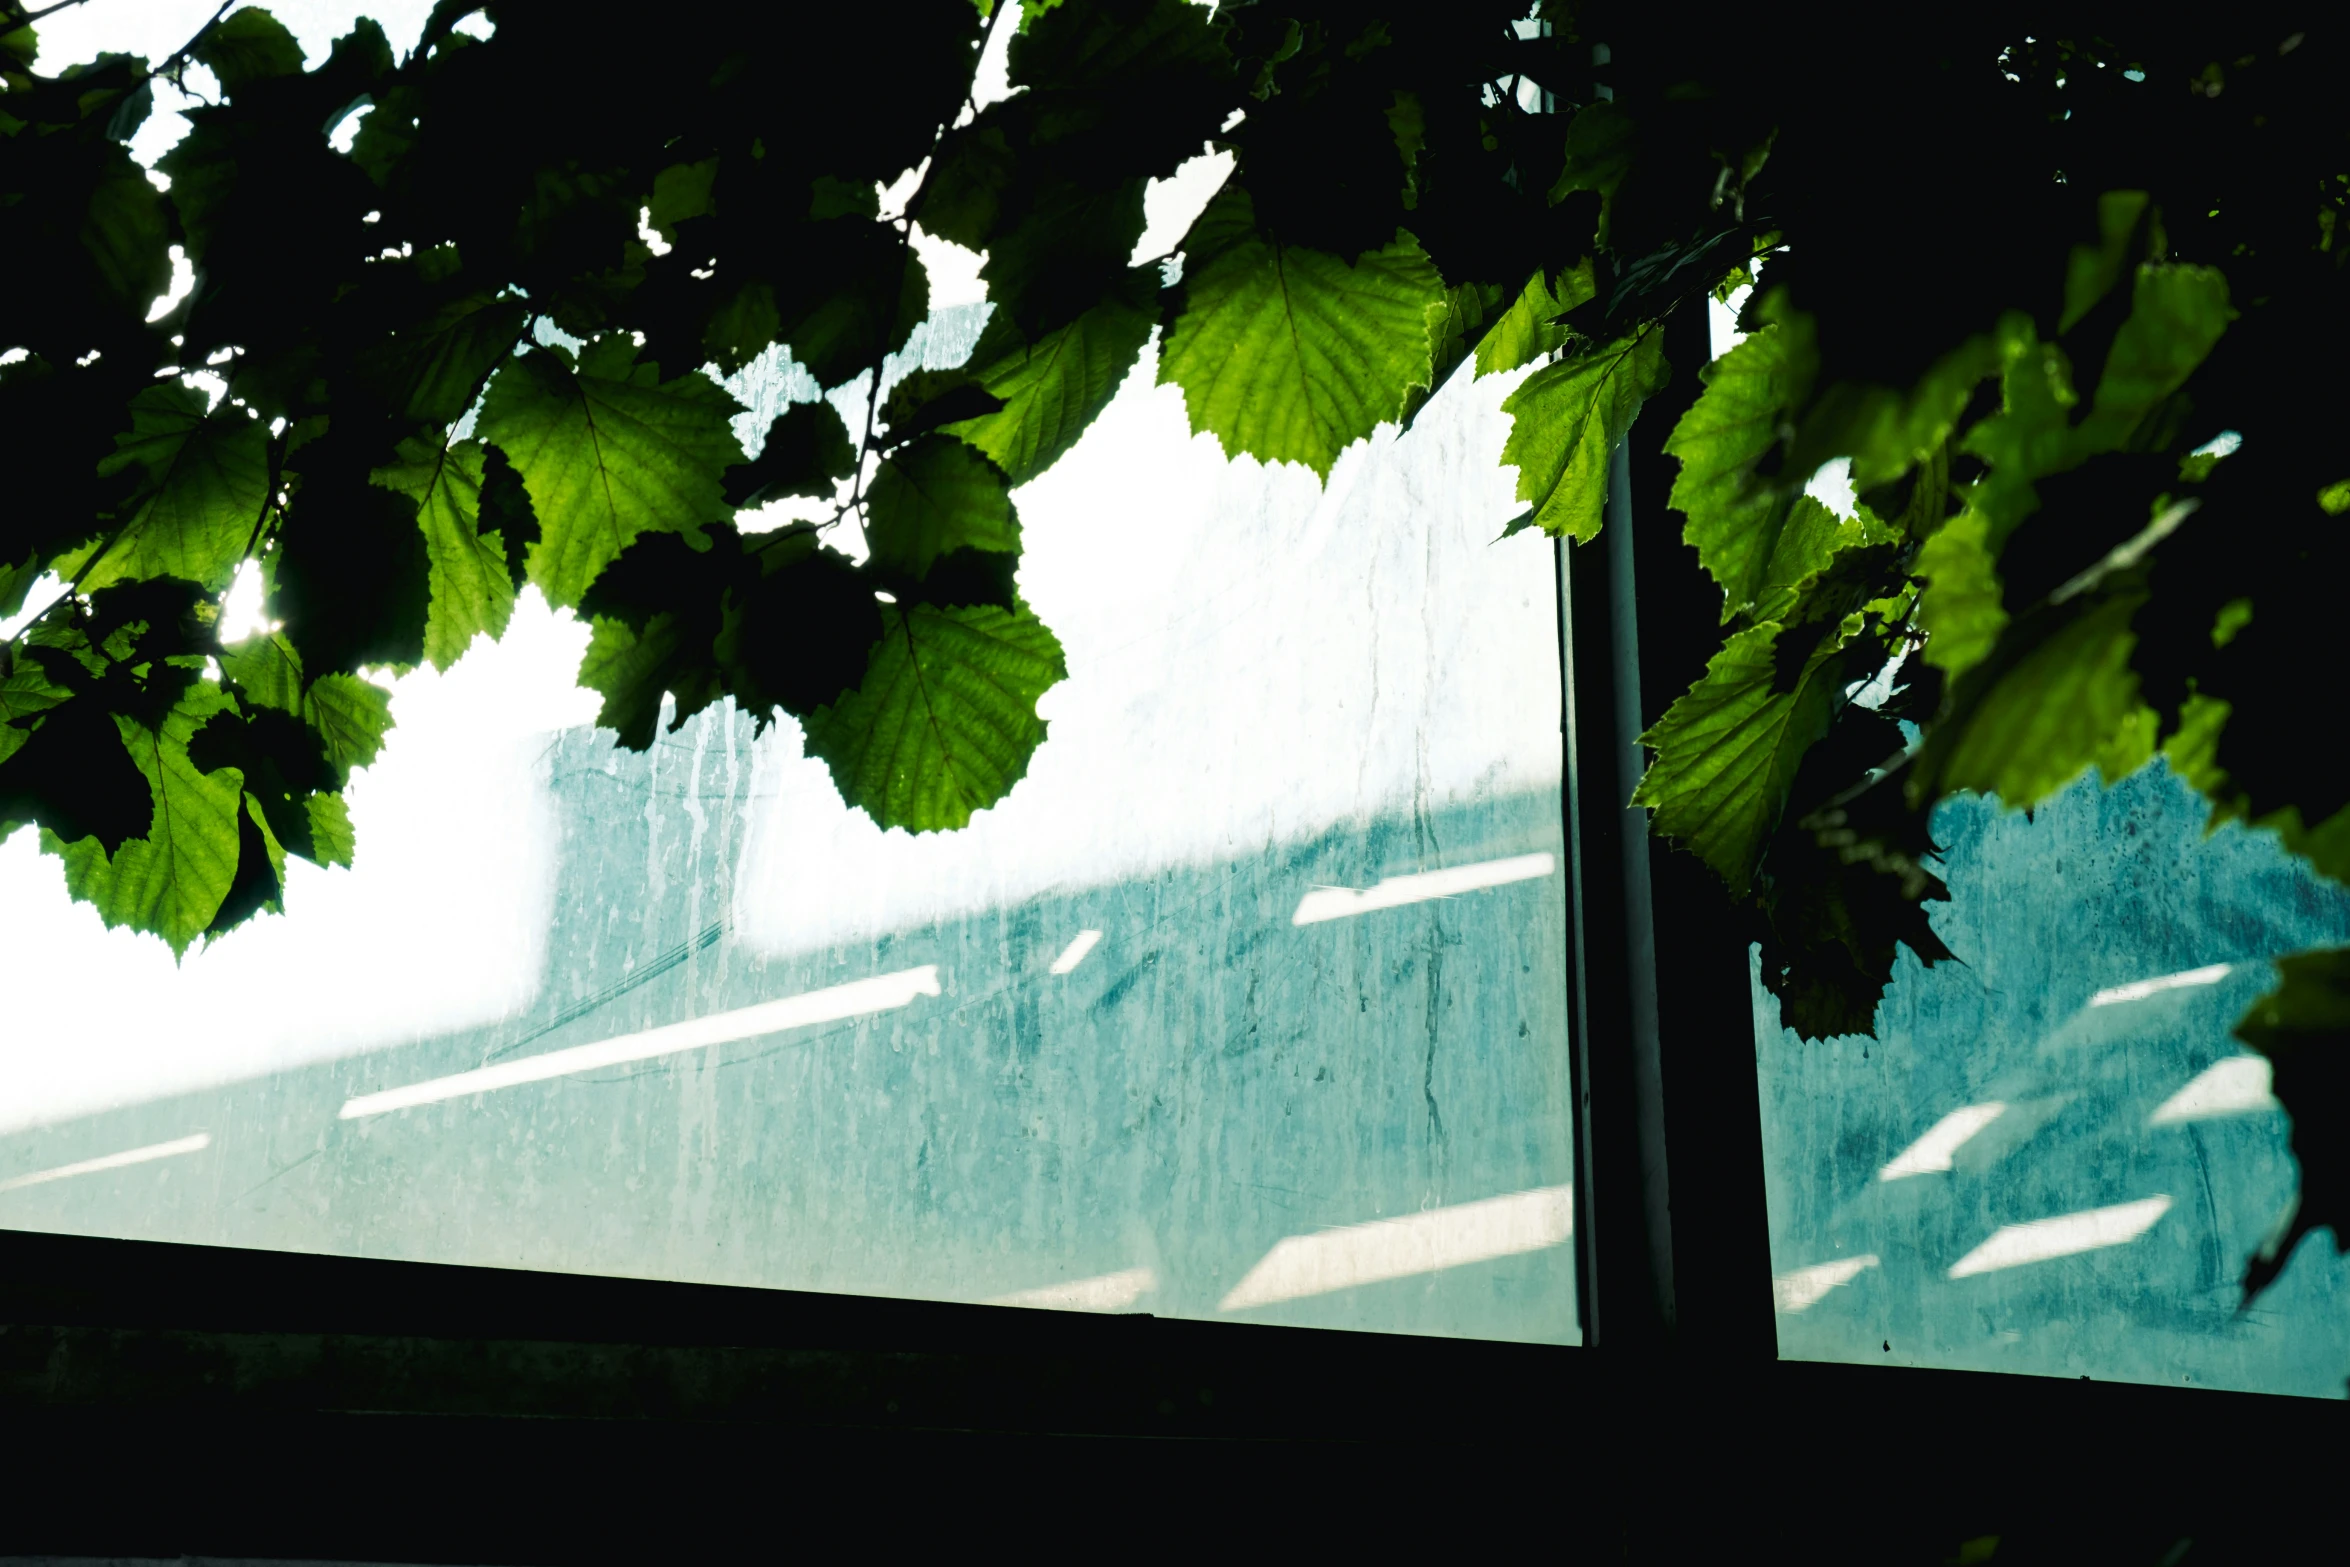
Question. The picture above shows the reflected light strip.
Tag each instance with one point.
(1074, 953)
(1337, 903)
(1397, 1248)
(882, 993)
(1105, 1292)
(1803, 1289)
(112, 1161)
(1943, 1139)
(2237, 1086)
(2013, 1245)
(2140, 989)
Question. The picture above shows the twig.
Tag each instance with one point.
(23, 18)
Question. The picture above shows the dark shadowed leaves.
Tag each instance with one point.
(2303, 1028)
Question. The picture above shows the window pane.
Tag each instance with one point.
(2055, 1158)
(1248, 1002)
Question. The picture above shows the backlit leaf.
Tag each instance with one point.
(1727, 751)
(204, 479)
(1052, 389)
(2050, 701)
(937, 495)
(1526, 330)
(1291, 355)
(608, 451)
(471, 592)
(1565, 422)
(170, 881)
(1734, 520)
(945, 720)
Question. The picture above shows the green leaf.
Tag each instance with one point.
(265, 669)
(945, 721)
(606, 453)
(332, 841)
(204, 478)
(1961, 610)
(172, 881)
(1727, 750)
(924, 400)
(1526, 331)
(1052, 389)
(127, 235)
(249, 46)
(1291, 355)
(1735, 521)
(259, 885)
(934, 496)
(1600, 145)
(1886, 432)
(2177, 314)
(430, 372)
(635, 667)
(656, 612)
(471, 591)
(1565, 422)
(2092, 270)
(351, 717)
(2051, 701)
(681, 191)
(1809, 540)
(2303, 1028)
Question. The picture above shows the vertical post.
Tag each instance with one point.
(1672, 1216)
(1639, 913)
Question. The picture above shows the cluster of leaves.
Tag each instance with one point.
(2019, 278)
(2055, 295)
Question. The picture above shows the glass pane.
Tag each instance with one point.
(2055, 1159)
(1248, 1002)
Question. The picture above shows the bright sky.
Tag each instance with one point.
(1253, 659)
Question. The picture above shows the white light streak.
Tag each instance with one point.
(2140, 989)
(1074, 953)
(1933, 1152)
(882, 993)
(2237, 1086)
(2013, 1245)
(1301, 1265)
(1105, 1292)
(1337, 903)
(1804, 1288)
(112, 1161)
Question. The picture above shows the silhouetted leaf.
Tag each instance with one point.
(2303, 1028)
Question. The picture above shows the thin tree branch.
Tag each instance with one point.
(25, 17)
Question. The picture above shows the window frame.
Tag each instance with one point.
(412, 1368)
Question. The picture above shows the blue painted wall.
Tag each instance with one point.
(2097, 889)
